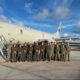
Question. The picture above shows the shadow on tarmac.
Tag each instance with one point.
(25, 72)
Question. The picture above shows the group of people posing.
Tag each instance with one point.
(39, 51)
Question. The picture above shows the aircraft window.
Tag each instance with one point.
(8, 33)
(21, 31)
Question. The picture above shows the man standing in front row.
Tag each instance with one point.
(57, 52)
(68, 49)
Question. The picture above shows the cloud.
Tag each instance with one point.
(55, 9)
(1, 10)
(66, 35)
(60, 12)
(69, 35)
(32, 24)
(28, 7)
(38, 24)
(77, 31)
(67, 2)
(78, 22)
(18, 22)
(42, 14)
(3, 17)
(69, 25)
(60, 9)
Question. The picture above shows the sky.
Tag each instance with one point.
(43, 15)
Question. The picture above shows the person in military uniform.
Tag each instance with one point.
(50, 51)
(30, 52)
(33, 55)
(9, 56)
(24, 51)
(52, 57)
(42, 51)
(47, 48)
(45, 51)
(37, 52)
(67, 54)
(14, 53)
(60, 46)
(62, 52)
(27, 56)
(57, 52)
(19, 48)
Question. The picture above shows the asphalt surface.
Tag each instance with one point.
(42, 70)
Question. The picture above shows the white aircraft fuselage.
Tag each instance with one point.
(20, 33)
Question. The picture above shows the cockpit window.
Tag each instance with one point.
(21, 31)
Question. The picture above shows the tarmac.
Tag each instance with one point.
(42, 70)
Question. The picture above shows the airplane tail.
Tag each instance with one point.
(57, 34)
(59, 27)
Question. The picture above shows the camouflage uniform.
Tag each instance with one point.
(30, 52)
(24, 52)
(50, 51)
(19, 56)
(63, 51)
(68, 49)
(33, 55)
(21, 53)
(9, 52)
(46, 52)
(52, 57)
(14, 53)
(41, 52)
(57, 52)
(37, 52)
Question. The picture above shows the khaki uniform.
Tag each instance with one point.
(19, 56)
(57, 52)
(30, 53)
(42, 52)
(37, 52)
(50, 51)
(46, 55)
(14, 54)
(67, 55)
(52, 57)
(24, 53)
(63, 51)
(9, 52)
